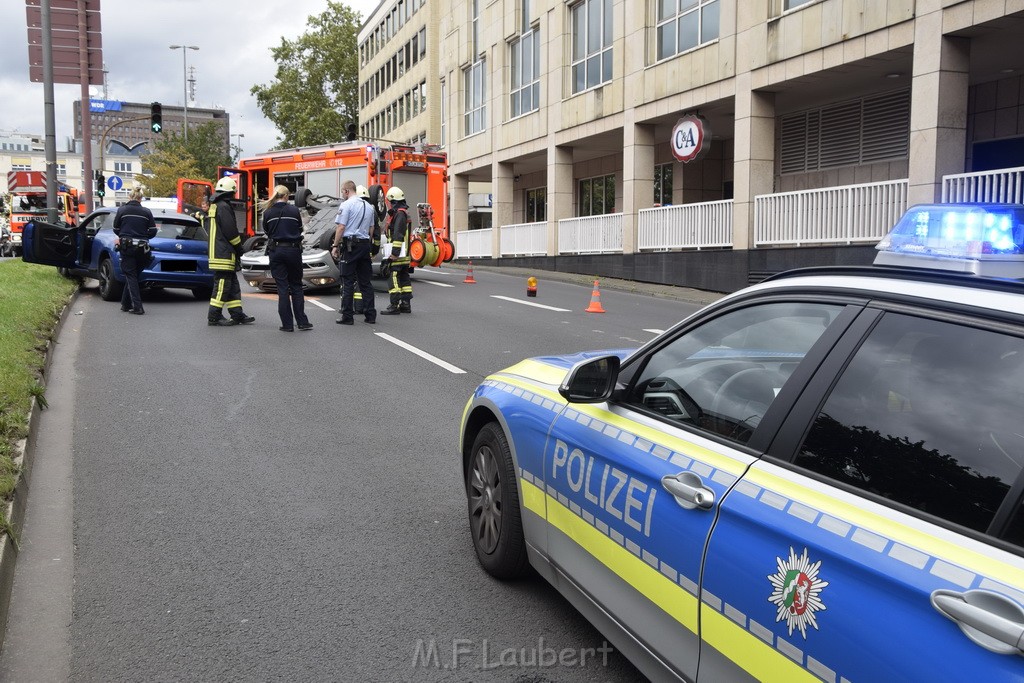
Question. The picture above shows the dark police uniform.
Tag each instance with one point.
(399, 232)
(225, 259)
(134, 226)
(282, 224)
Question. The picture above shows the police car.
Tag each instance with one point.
(818, 477)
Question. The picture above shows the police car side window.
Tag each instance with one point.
(927, 414)
(723, 375)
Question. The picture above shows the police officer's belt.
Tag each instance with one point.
(275, 243)
(135, 242)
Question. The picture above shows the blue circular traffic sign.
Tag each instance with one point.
(114, 182)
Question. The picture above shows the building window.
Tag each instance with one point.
(123, 168)
(663, 185)
(21, 167)
(475, 27)
(790, 4)
(685, 24)
(591, 44)
(525, 89)
(476, 109)
(597, 196)
(536, 205)
(863, 131)
(62, 170)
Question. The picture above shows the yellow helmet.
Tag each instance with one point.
(395, 193)
(226, 184)
(361, 191)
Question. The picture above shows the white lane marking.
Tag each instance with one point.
(652, 331)
(316, 302)
(436, 284)
(530, 303)
(422, 354)
(434, 272)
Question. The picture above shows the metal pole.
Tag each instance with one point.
(83, 68)
(51, 135)
(184, 83)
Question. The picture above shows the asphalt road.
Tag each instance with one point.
(250, 504)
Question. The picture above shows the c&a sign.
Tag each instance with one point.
(691, 138)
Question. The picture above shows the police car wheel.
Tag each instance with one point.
(495, 520)
(110, 288)
(256, 242)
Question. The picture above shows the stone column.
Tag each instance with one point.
(637, 177)
(938, 108)
(502, 197)
(561, 189)
(754, 157)
(458, 190)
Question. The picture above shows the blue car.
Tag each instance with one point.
(179, 252)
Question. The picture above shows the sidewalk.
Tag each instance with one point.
(696, 296)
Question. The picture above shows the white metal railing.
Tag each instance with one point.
(524, 239)
(473, 243)
(829, 215)
(685, 226)
(590, 234)
(1001, 186)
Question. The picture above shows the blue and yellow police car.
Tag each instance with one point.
(819, 477)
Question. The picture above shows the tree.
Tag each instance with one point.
(164, 166)
(173, 158)
(315, 91)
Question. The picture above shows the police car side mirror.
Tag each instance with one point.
(591, 381)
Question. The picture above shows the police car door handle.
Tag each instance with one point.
(689, 491)
(991, 620)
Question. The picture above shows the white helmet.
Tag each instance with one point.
(395, 193)
(361, 191)
(226, 184)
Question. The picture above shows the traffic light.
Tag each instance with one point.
(351, 132)
(156, 117)
(101, 188)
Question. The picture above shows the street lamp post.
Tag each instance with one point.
(238, 144)
(184, 72)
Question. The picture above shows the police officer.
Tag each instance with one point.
(282, 224)
(399, 231)
(225, 258)
(353, 244)
(134, 227)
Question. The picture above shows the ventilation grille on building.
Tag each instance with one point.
(858, 131)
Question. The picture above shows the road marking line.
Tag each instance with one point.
(422, 354)
(436, 284)
(316, 302)
(652, 331)
(530, 303)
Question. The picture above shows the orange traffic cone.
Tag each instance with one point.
(470, 280)
(595, 301)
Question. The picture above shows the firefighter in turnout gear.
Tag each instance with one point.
(225, 258)
(398, 231)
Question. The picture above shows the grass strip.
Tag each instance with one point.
(31, 300)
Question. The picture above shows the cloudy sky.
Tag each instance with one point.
(234, 40)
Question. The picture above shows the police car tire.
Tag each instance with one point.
(508, 559)
(110, 288)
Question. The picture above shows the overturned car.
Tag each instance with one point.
(319, 271)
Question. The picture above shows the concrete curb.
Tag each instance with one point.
(24, 458)
(696, 296)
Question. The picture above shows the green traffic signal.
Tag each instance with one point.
(156, 111)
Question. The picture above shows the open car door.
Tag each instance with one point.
(191, 194)
(50, 245)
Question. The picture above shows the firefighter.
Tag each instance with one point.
(225, 258)
(399, 229)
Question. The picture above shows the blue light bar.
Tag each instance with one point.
(958, 237)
